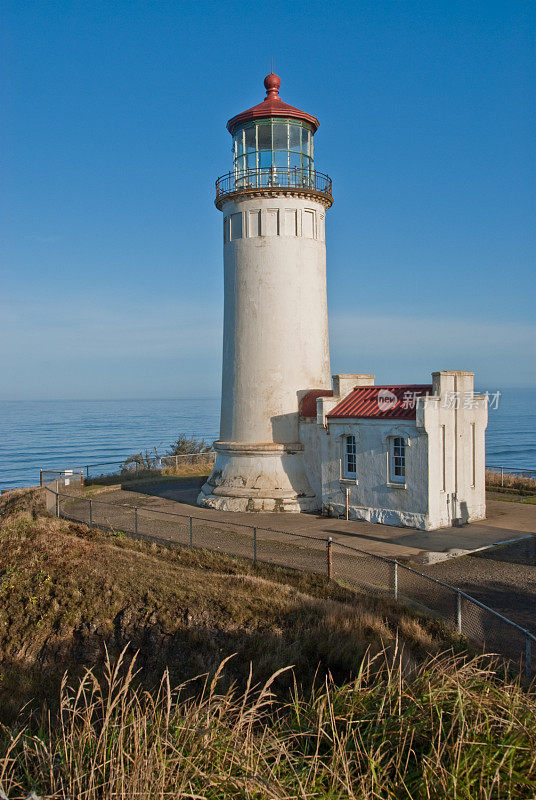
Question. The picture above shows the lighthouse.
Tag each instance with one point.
(275, 335)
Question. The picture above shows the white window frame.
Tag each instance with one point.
(397, 459)
(349, 455)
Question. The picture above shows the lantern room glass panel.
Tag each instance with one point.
(274, 152)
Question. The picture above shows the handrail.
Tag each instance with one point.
(274, 178)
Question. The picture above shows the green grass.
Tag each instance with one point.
(507, 496)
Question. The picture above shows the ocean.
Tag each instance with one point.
(56, 434)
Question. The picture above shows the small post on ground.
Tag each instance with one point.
(254, 545)
(90, 513)
(57, 504)
(347, 501)
(176, 462)
(528, 655)
(502, 476)
(459, 611)
(81, 477)
(395, 580)
(87, 471)
(40, 477)
(330, 557)
(136, 520)
(191, 532)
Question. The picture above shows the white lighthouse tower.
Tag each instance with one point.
(275, 338)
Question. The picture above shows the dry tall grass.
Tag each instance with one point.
(451, 729)
(495, 479)
(187, 467)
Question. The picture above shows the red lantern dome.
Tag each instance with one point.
(271, 106)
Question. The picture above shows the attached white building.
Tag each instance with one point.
(398, 455)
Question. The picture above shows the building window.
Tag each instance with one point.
(397, 460)
(350, 459)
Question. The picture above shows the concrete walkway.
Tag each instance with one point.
(505, 521)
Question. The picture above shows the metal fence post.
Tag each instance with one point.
(254, 545)
(528, 655)
(57, 504)
(136, 520)
(90, 513)
(395, 581)
(502, 476)
(459, 611)
(330, 557)
(40, 477)
(191, 532)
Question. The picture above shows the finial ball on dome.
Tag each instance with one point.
(272, 83)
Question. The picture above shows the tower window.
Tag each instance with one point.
(291, 222)
(254, 223)
(236, 226)
(350, 457)
(397, 459)
(272, 222)
(308, 222)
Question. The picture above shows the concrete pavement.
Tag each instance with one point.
(505, 521)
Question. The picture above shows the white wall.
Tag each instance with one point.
(372, 496)
(275, 340)
(457, 479)
(445, 460)
(275, 349)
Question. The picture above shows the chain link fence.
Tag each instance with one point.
(130, 468)
(350, 566)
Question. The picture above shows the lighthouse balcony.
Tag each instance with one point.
(296, 180)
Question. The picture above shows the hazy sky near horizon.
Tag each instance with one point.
(111, 250)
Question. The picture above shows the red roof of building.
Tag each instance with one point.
(271, 106)
(308, 401)
(381, 402)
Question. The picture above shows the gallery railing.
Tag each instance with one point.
(273, 177)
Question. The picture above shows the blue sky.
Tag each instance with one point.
(111, 245)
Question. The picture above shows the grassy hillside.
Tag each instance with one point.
(66, 591)
(372, 706)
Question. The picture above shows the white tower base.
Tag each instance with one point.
(258, 477)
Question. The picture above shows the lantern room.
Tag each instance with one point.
(280, 143)
(273, 146)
